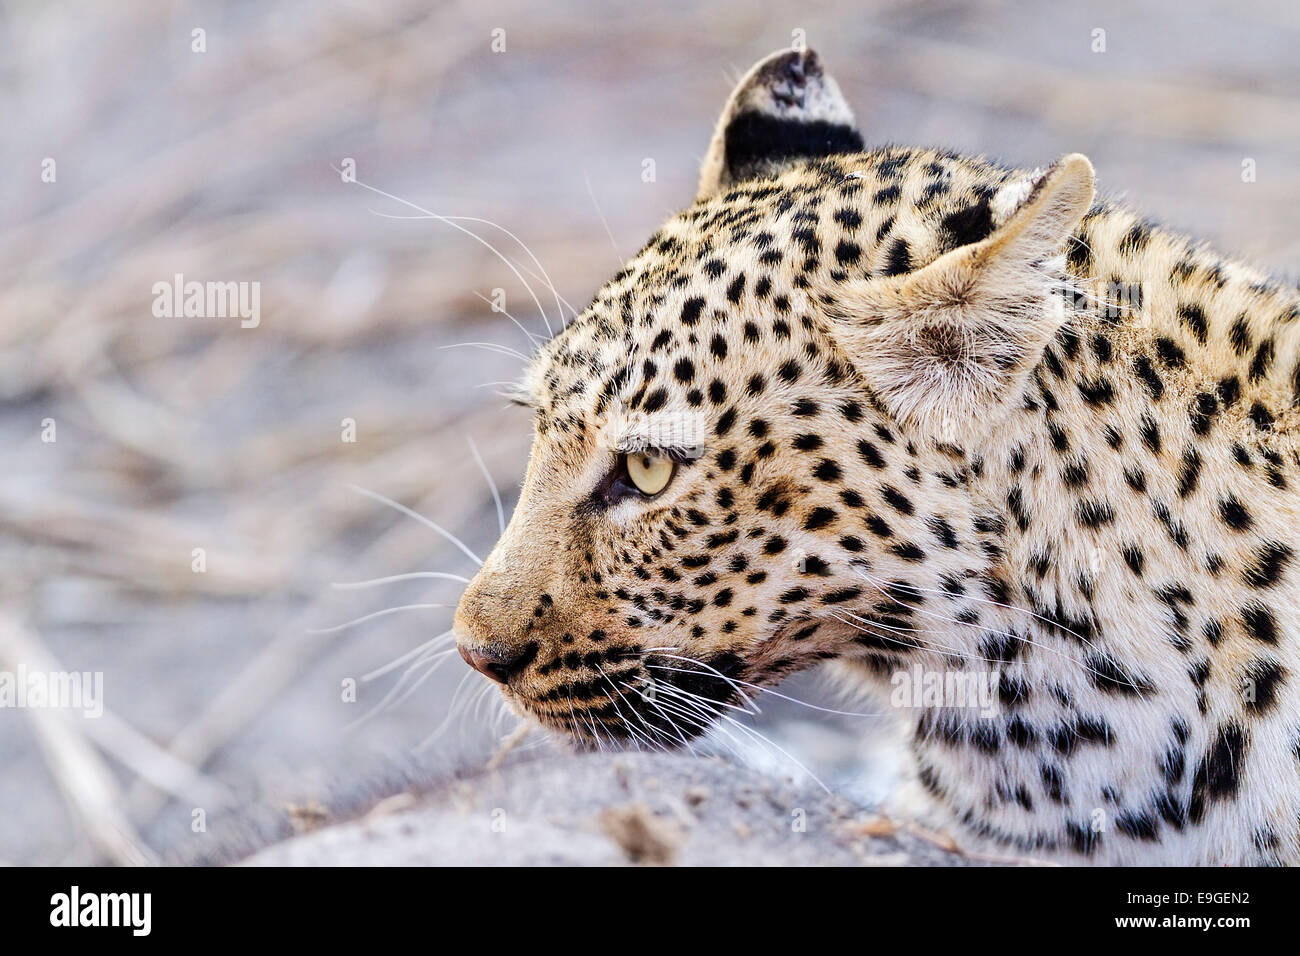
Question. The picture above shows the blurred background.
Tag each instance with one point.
(218, 155)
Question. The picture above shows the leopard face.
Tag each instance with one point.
(804, 354)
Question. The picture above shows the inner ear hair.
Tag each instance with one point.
(948, 347)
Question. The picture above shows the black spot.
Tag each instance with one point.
(736, 289)
(1270, 561)
(1150, 433)
(848, 218)
(1150, 378)
(1229, 390)
(1239, 335)
(878, 527)
(943, 531)
(1193, 316)
(691, 310)
(1189, 473)
(1110, 675)
(1262, 361)
(897, 500)
(908, 552)
(1095, 514)
(1259, 622)
(827, 470)
(1169, 352)
(968, 225)
(1098, 392)
(1204, 408)
(870, 454)
(819, 517)
(900, 258)
(1139, 826)
(847, 252)
(1234, 514)
(1264, 676)
(1218, 775)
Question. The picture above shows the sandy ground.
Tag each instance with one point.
(176, 434)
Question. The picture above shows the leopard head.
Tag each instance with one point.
(752, 448)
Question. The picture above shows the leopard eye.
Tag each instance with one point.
(650, 473)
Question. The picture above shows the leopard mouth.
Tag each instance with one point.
(661, 701)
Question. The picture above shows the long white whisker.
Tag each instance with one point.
(603, 221)
(371, 616)
(410, 576)
(412, 653)
(420, 518)
(488, 347)
(392, 698)
(532, 339)
(768, 690)
(545, 276)
(496, 495)
(735, 686)
(631, 729)
(451, 714)
(473, 235)
(672, 724)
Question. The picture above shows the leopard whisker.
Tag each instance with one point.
(635, 712)
(431, 525)
(685, 696)
(654, 702)
(392, 698)
(492, 485)
(487, 347)
(734, 685)
(533, 340)
(371, 616)
(774, 693)
(449, 718)
(416, 651)
(393, 578)
(473, 235)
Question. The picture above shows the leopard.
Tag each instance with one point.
(898, 412)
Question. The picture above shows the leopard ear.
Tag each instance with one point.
(949, 346)
(786, 108)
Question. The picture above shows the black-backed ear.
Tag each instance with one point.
(786, 108)
(948, 347)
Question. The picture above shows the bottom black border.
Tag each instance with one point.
(331, 906)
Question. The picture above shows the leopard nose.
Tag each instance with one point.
(498, 663)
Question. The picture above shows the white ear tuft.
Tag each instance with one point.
(1008, 199)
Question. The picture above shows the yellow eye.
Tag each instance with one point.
(650, 472)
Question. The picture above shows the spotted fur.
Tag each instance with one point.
(954, 416)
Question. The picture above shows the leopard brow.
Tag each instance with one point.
(670, 432)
